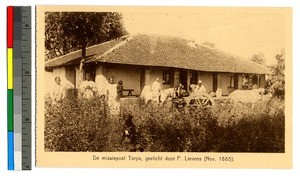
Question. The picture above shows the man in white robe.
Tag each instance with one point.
(156, 90)
(200, 88)
(112, 97)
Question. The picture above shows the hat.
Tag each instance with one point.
(199, 82)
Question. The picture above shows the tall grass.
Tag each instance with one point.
(86, 125)
(76, 125)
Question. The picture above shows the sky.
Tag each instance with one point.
(239, 31)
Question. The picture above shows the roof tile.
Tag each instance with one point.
(166, 51)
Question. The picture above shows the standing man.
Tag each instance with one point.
(112, 97)
(156, 89)
(200, 88)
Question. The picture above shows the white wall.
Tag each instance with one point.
(50, 78)
(130, 75)
(158, 73)
(207, 80)
(225, 82)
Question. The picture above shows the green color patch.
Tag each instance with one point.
(10, 110)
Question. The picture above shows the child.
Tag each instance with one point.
(131, 133)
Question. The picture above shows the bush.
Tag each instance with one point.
(85, 125)
(178, 132)
(200, 130)
(76, 125)
(276, 82)
(253, 134)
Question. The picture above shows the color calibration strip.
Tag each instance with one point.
(19, 87)
(10, 94)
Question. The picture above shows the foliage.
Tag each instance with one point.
(76, 124)
(253, 134)
(81, 125)
(179, 132)
(276, 82)
(243, 128)
(224, 128)
(69, 31)
(258, 58)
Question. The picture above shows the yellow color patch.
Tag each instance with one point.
(10, 76)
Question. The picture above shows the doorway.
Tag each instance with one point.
(215, 82)
(183, 78)
(142, 80)
(71, 74)
(236, 81)
(194, 77)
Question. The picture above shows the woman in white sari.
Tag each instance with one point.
(112, 97)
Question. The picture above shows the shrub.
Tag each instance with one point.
(276, 82)
(76, 125)
(86, 125)
(253, 134)
(225, 128)
(176, 132)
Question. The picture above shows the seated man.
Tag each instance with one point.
(200, 88)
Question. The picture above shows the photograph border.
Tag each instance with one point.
(87, 159)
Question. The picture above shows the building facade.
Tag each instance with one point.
(137, 60)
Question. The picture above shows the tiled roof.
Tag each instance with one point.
(75, 57)
(166, 51)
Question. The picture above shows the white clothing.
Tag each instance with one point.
(112, 101)
(156, 90)
(156, 86)
(200, 89)
(58, 92)
(87, 89)
(101, 84)
(111, 90)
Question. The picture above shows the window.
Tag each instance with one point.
(234, 80)
(90, 70)
(194, 77)
(231, 78)
(166, 77)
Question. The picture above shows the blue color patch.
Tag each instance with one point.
(10, 148)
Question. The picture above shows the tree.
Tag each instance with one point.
(276, 81)
(55, 41)
(258, 58)
(69, 31)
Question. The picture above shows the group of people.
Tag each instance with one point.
(179, 90)
(87, 89)
(112, 92)
(247, 83)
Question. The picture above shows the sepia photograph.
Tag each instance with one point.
(164, 80)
